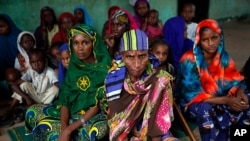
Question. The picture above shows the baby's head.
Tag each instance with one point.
(161, 50)
(12, 75)
(153, 17)
(37, 60)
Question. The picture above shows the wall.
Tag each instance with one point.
(26, 13)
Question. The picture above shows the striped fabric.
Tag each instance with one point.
(131, 40)
(134, 40)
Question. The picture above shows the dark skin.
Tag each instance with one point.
(27, 42)
(136, 63)
(83, 48)
(118, 28)
(48, 18)
(4, 27)
(11, 76)
(209, 41)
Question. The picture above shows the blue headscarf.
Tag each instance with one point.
(87, 19)
(61, 69)
(8, 46)
(173, 34)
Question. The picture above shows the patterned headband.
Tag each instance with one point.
(134, 40)
(121, 16)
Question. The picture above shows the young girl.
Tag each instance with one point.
(153, 26)
(25, 42)
(161, 50)
(63, 62)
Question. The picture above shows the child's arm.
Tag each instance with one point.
(16, 88)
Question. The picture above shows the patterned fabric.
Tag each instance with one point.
(137, 115)
(61, 69)
(22, 60)
(44, 122)
(123, 16)
(134, 40)
(80, 91)
(196, 81)
(87, 19)
(131, 40)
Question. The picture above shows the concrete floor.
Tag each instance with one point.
(237, 44)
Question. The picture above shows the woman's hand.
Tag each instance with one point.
(236, 104)
(65, 135)
(110, 40)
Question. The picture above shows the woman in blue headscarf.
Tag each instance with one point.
(8, 41)
(175, 34)
(82, 16)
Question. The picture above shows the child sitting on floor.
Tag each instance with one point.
(38, 84)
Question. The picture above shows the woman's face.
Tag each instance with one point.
(83, 47)
(209, 41)
(161, 53)
(79, 16)
(67, 23)
(27, 42)
(65, 56)
(142, 9)
(118, 28)
(4, 28)
(135, 62)
(48, 17)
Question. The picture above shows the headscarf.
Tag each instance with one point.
(80, 89)
(221, 78)
(123, 16)
(61, 36)
(23, 53)
(131, 40)
(173, 34)
(87, 19)
(61, 69)
(8, 46)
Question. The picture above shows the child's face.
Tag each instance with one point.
(118, 28)
(161, 52)
(37, 62)
(83, 47)
(65, 56)
(55, 54)
(153, 18)
(27, 42)
(188, 13)
(142, 9)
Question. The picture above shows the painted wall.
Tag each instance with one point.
(221, 9)
(26, 13)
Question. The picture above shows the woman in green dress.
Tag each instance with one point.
(79, 113)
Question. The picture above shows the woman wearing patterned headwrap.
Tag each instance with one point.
(120, 22)
(79, 112)
(139, 96)
(211, 90)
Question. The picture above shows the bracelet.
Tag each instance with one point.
(82, 121)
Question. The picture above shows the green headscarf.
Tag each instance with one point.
(83, 84)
